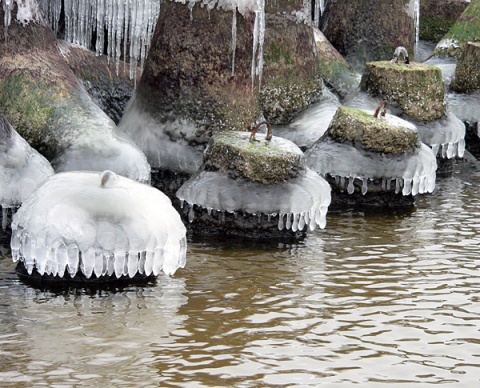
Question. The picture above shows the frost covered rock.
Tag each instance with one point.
(417, 88)
(467, 72)
(465, 29)
(369, 160)
(49, 107)
(81, 225)
(254, 188)
(22, 169)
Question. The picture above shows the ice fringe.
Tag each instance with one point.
(299, 202)
(98, 223)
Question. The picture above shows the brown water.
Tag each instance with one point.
(374, 298)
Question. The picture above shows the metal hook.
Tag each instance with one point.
(257, 127)
(384, 111)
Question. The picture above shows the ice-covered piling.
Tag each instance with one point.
(98, 224)
(373, 160)
(258, 189)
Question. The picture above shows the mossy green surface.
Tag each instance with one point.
(465, 29)
(271, 162)
(434, 28)
(417, 87)
(29, 106)
(467, 72)
(373, 134)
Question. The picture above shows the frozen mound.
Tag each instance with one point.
(389, 158)
(101, 224)
(233, 180)
(22, 169)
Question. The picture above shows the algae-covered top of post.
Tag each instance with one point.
(261, 161)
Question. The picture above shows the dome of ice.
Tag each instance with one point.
(22, 169)
(98, 223)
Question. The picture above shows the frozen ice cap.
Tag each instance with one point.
(22, 169)
(99, 223)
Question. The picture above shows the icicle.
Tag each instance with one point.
(158, 259)
(4, 218)
(132, 263)
(301, 222)
(148, 267)
(7, 16)
(234, 38)
(258, 38)
(119, 263)
(461, 148)
(398, 185)
(191, 4)
(417, 21)
(416, 185)
(407, 187)
(364, 186)
(61, 255)
(88, 262)
(72, 261)
(141, 262)
(350, 188)
(296, 218)
(316, 13)
(191, 214)
(280, 221)
(98, 264)
(288, 224)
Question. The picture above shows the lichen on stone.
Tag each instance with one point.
(384, 134)
(467, 72)
(29, 105)
(465, 29)
(271, 162)
(416, 87)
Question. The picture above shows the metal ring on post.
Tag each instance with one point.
(257, 127)
(384, 111)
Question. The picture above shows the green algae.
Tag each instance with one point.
(259, 161)
(416, 87)
(29, 105)
(364, 130)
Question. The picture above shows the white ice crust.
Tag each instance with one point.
(165, 144)
(302, 201)
(22, 169)
(99, 223)
(312, 123)
(414, 173)
(446, 135)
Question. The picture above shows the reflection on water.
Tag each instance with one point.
(374, 298)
